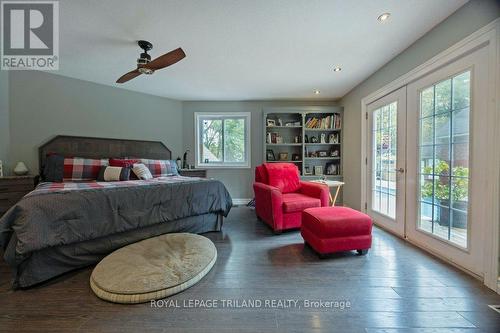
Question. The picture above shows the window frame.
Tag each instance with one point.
(199, 116)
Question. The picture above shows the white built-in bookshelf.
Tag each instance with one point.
(310, 137)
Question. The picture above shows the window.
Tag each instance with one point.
(222, 140)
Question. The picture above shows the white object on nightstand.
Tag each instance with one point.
(20, 169)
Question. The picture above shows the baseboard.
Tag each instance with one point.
(241, 201)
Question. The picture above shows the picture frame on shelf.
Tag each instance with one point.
(333, 138)
(276, 137)
(270, 122)
(279, 138)
(322, 138)
(270, 155)
(318, 170)
(283, 156)
(332, 168)
(307, 171)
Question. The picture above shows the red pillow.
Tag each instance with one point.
(122, 163)
(284, 176)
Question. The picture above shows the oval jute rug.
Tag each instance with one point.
(153, 268)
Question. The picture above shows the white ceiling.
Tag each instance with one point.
(242, 50)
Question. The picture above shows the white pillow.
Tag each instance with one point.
(142, 171)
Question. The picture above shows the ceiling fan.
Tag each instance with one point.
(147, 66)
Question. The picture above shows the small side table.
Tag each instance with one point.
(12, 189)
(330, 184)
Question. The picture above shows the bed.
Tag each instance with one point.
(60, 227)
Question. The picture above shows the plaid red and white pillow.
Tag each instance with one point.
(160, 168)
(78, 168)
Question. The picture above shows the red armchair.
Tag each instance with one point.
(280, 195)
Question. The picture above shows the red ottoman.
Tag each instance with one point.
(333, 229)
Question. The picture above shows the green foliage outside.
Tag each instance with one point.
(234, 140)
(228, 146)
(459, 186)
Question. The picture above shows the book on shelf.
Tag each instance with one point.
(332, 121)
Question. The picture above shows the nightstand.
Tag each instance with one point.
(193, 173)
(12, 189)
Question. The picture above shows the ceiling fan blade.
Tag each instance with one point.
(129, 76)
(167, 59)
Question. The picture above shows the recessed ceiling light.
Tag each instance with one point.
(384, 17)
(317, 92)
(337, 69)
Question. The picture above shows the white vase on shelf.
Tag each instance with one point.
(20, 169)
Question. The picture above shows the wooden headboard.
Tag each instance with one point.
(89, 147)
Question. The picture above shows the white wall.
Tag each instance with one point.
(469, 18)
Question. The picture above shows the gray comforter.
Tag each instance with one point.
(58, 218)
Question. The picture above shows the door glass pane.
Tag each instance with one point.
(461, 91)
(443, 96)
(461, 125)
(427, 160)
(384, 153)
(442, 128)
(444, 159)
(427, 131)
(427, 102)
(376, 200)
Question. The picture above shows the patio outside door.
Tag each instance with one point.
(386, 161)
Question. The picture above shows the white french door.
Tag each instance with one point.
(427, 144)
(386, 161)
(447, 144)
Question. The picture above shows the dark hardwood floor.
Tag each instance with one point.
(394, 288)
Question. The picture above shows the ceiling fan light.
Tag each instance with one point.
(145, 70)
(383, 17)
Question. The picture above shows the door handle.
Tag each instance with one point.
(400, 170)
